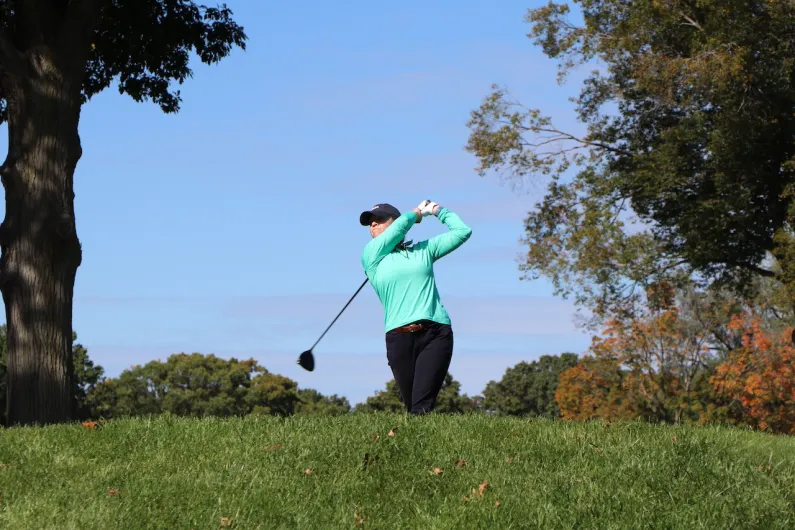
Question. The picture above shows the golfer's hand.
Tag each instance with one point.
(428, 207)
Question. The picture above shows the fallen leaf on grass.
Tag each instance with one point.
(374, 437)
(392, 432)
(478, 492)
(113, 491)
(89, 424)
(515, 434)
(673, 437)
(497, 504)
(308, 471)
(764, 468)
(511, 459)
(273, 447)
(226, 522)
(358, 519)
(460, 463)
(436, 471)
(5, 466)
(482, 487)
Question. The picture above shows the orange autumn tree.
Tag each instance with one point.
(592, 389)
(653, 366)
(760, 376)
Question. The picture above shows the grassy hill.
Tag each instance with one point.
(434, 472)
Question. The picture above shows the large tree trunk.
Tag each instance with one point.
(40, 248)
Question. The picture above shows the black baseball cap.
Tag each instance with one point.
(379, 210)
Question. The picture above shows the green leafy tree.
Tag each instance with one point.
(452, 401)
(206, 385)
(449, 401)
(387, 400)
(686, 167)
(54, 56)
(528, 389)
(86, 376)
(313, 403)
(274, 395)
(185, 385)
(130, 394)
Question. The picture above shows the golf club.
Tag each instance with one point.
(307, 360)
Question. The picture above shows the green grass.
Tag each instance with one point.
(179, 473)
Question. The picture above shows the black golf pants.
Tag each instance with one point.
(419, 361)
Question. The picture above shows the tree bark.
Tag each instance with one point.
(40, 248)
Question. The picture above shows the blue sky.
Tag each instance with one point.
(231, 228)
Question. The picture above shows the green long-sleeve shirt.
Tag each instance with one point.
(403, 278)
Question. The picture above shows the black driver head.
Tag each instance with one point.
(307, 361)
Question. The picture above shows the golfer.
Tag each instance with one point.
(419, 336)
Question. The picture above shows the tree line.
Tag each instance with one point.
(684, 174)
(686, 357)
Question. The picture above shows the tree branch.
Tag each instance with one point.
(754, 268)
(81, 16)
(79, 23)
(691, 22)
(620, 209)
(567, 136)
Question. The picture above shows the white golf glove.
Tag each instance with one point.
(427, 208)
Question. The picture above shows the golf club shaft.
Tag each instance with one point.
(338, 315)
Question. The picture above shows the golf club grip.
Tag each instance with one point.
(340, 313)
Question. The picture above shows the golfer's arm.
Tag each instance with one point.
(382, 245)
(443, 244)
